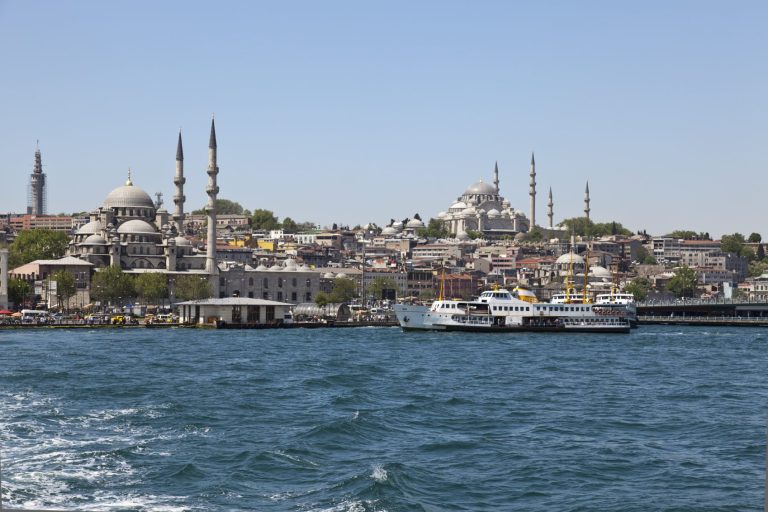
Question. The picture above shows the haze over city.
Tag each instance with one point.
(351, 113)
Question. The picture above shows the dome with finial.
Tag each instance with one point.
(128, 196)
(480, 188)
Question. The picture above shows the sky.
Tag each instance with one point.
(352, 112)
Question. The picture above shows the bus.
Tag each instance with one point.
(34, 316)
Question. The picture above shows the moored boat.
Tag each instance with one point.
(500, 311)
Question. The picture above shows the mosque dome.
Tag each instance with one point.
(441, 215)
(389, 230)
(459, 205)
(600, 272)
(493, 213)
(136, 226)
(261, 268)
(275, 268)
(397, 225)
(415, 223)
(290, 264)
(91, 227)
(462, 235)
(469, 211)
(180, 240)
(128, 196)
(480, 188)
(569, 258)
(94, 240)
(328, 275)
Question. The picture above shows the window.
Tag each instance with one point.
(265, 296)
(279, 296)
(250, 281)
(293, 297)
(294, 282)
(308, 297)
(266, 283)
(279, 282)
(309, 282)
(250, 295)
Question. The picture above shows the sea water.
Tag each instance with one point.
(374, 419)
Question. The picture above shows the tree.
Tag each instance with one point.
(192, 287)
(644, 257)
(37, 244)
(474, 235)
(639, 288)
(732, 243)
(151, 287)
(321, 299)
(289, 225)
(224, 207)
(112, 285)
(264, 219)
(683, 234)
(683, 283)
(758, 268)
(755, 238)
(344, 290)
(436, 228)
(18, 291)
(582, 226)
(379, 286)
(534, 235)
(760, 254)
(65, 286)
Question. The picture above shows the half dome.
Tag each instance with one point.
(136, 226)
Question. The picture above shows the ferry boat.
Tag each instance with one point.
(616, 303)
(500, 311)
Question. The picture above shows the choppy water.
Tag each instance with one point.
(376, 419)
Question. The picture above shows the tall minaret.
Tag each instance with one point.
(496, 176)
(210, 258)
(533, 192)
(179, 180)
(586, 201)
(36, 201)
(550, 210)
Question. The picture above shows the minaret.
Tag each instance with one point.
(36, 200)
(533, 192)
(550, 211)
(210, 259)
(496, 176)
(586, 201)
(179, 180)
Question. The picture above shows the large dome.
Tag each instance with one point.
(136, 226)
(570, 258)
(480, 188)
(128, 196)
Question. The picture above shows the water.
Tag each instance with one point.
(666, 418)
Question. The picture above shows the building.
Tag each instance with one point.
(3, 278)
(481, 208)
(288, 282)
(38, 272)
(238, 311)
(64, 224)
(130, 231)
(36, 196)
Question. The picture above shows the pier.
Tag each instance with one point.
(701, 312)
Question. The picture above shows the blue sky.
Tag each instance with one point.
(357, 112)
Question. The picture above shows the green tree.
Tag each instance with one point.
(344, 290)
(683, 283)
(321, 299)
(112, 285)
(37, 244)
(582, 226)
(151, 287)
(65, 286)
(758, 268)
(645, 257)
(639, 288)
(224, 207)
(264, 219)
(534, 235)
(755, 238)
(435, 228)
(379, 285)
(192, 287)
(474, 235)
(732, 243)
(18, 291)
(289, 225)
(760, 254)
(683, 234)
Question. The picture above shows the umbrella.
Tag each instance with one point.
(16, 315)
(5, 312)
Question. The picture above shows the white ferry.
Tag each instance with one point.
(616, 303)
(500, 311)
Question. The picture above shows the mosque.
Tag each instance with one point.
(481, 208)
(130, 231)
